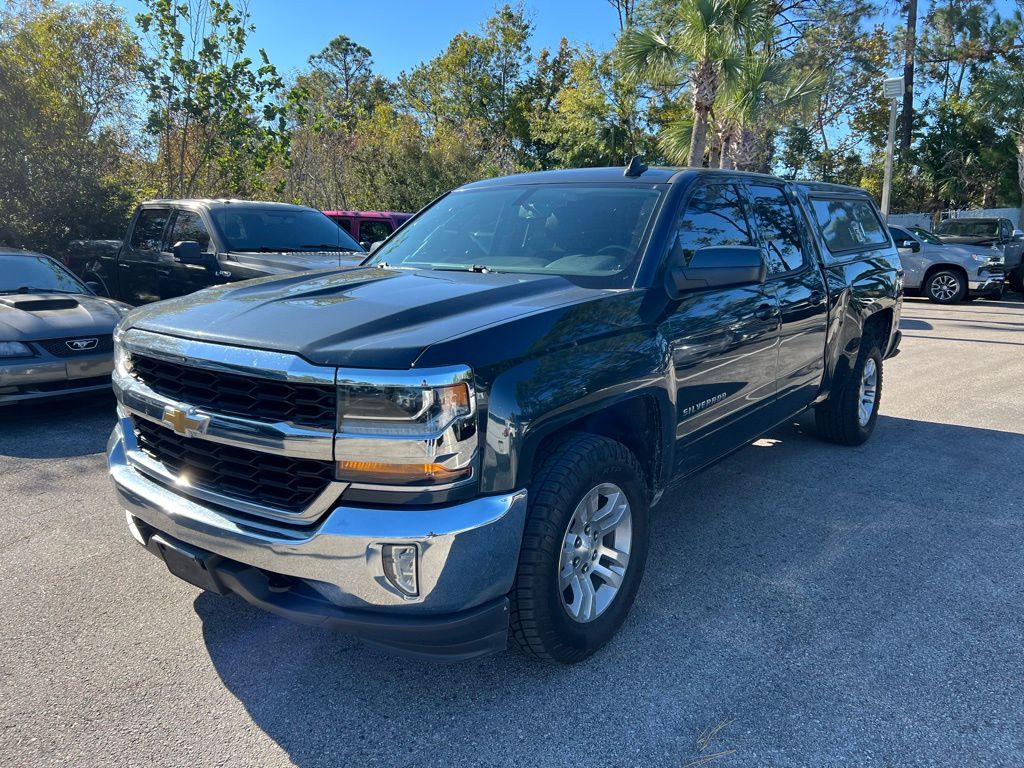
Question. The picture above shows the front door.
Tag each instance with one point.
(723, 341)
(800, 289)
(180, 279)
(138, 263)
(915, 263)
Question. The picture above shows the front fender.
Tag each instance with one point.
(537, 397)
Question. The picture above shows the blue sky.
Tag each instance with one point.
(401, 33)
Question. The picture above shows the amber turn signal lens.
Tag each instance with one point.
(455, 397)
(379, 472)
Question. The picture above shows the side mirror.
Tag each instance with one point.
(720, 266)
(375, 245)
(1018, 235)
(189, 252)
(365, 244)
(96, 288)
(911, 245)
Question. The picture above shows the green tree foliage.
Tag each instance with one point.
(476, 85)
(67, 76)
(214, 113)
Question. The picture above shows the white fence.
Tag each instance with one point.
(929, 220)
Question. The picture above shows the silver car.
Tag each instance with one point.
(55, 333)
(948, 274)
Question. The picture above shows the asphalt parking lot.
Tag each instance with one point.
(804, 605)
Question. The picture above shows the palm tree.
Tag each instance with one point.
(764, 90)
(700, 50)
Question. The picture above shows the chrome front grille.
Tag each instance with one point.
(250, 430)
(251, 397)
(282, 482)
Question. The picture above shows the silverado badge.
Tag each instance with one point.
(187, 422)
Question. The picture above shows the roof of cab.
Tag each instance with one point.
(212, 203)
(653, 175)
(5, 251)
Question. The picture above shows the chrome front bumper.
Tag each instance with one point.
(986, 284)
(27, 379)
(468, 552)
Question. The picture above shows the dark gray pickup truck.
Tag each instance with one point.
(458, 442)
(176, 247)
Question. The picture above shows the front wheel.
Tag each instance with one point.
(849, 414)
(1017, 278)
(946, 287)
(584, 549)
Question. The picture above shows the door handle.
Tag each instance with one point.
(765, 312)
(124, 265)
(164, 272)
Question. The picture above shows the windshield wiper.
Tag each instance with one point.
(479, 268)
(326, 247)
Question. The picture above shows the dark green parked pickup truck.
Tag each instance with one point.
(458, 442)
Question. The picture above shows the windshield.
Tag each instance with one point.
(265, 229)
(592, 232)
(36, 274)
(924, 234)
(968, 228)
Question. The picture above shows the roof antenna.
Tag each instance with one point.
(635, 167)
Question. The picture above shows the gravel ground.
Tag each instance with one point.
(804, 605)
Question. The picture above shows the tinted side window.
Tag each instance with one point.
(372, 231)
(779, 228)
(149, 229)
(714, 216)
(190, 226)
(848, 225)
(1005, 230)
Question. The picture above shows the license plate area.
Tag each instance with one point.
(196, 566)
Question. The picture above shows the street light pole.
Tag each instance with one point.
(893, 90)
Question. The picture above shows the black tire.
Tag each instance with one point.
(1017, 278)
(540, 625)
(945, 286)
(996, 295)
(838, 418)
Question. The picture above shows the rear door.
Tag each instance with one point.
(723, 341)
(180, 279)
(799, 287)
(138, 278)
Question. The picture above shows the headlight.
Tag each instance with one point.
(411, 428)
(14, 349)
(122, 360)
(986, 258)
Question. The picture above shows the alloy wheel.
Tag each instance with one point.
(945, 287)
(595, 552)
(868, 392)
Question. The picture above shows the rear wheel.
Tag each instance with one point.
(584, 549)
(946, 287)
(849, 414)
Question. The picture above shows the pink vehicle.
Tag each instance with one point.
(368, 227)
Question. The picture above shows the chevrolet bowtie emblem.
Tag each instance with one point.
(187, 422)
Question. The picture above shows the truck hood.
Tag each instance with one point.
(39, 316)
(363, 317)
(279, 262)
(949, 250)
(968, 239)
